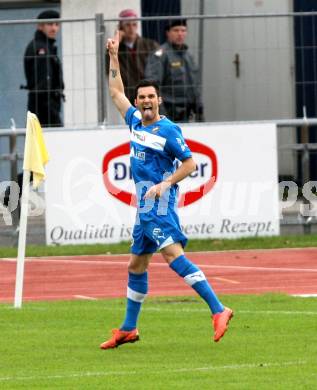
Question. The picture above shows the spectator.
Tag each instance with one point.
(133, 52)
(43, 72)
(174, 68)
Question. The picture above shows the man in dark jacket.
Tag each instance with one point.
(133, 52)
(174, 68)
(43, 72)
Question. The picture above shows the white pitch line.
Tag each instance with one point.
(176, 292)
(177, 309)
(252, 251)
(225, 280)
(156, 372)
(304, 295)
(85, 297)
(9, 259)
(106, 263)
(286, 312)
(237, 312)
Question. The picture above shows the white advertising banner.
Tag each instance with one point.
(233, 193)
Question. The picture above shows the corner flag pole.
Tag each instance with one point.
(22, 239)
(35, 158)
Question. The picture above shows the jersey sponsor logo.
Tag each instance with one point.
(149, 140)
(116, 171)
(137, 154)
(155, 129)
(138, 135)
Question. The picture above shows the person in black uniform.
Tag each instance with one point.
(176, 71)
(43, 72)
(44, 76)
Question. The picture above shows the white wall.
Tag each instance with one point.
(79, 55)
(265, 88)
(189, 7)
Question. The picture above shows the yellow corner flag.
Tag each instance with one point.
(35, 157)
(35, 152)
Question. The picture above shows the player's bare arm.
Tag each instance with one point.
(186, 168)
(115, 82)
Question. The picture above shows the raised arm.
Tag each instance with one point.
(115, 82)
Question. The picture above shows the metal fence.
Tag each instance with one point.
(252, 67)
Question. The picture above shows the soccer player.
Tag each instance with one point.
(155, 144)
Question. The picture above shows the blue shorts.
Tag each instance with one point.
(155, 232)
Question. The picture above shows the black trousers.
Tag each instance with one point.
(47, 107)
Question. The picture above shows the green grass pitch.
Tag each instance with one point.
(302, 241)
(271, 344)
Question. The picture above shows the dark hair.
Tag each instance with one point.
(175, 22)
(49, 14)
(147, 83)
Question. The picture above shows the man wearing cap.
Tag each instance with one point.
(174, 68)
(43, 72)
(133, 52)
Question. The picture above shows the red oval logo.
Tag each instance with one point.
(184, 199)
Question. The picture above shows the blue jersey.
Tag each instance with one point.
(153, 151)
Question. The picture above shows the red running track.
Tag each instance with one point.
(292, 271)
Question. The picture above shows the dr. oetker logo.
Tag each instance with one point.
(186, 198)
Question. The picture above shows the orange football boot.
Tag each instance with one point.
(120, 337)
(220, 323)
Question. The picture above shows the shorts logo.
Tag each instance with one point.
(157, 233)
(186, 198)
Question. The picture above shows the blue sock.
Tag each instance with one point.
(195, 278)
(136, 293)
